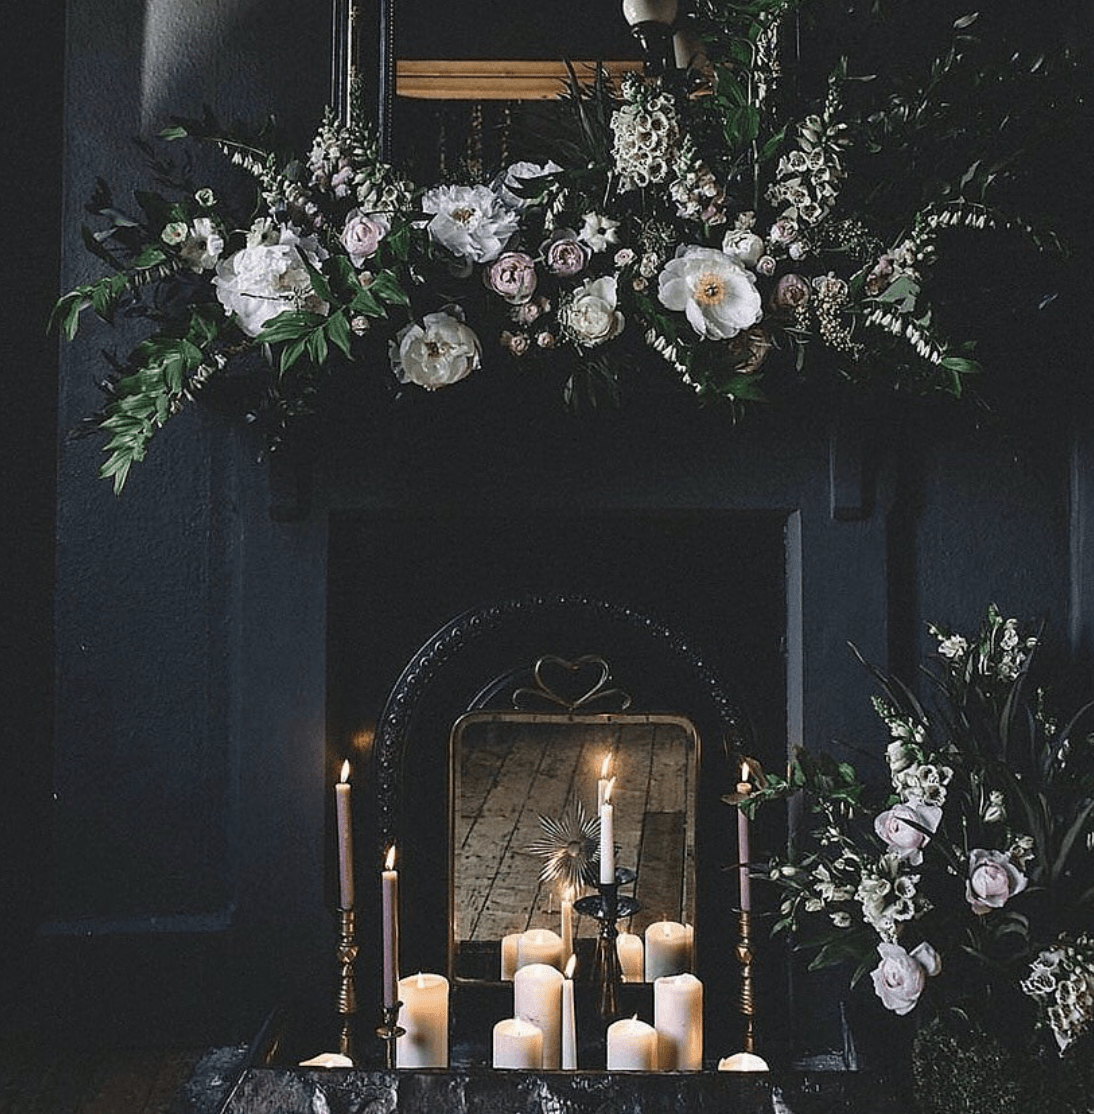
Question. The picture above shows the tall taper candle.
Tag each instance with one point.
(607, 836)
(390, 921)
(743, 787)
(567, 925)
(569, 1022)
(344, 818)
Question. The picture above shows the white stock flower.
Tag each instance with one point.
(716, 294)
(268, 277)
(900, 977)
(953, 647)
(470, 221)
(590, 317)
(440, 351)
(995, 809)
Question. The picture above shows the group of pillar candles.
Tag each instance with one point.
(542, 1032)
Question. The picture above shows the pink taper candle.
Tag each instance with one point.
(744, 788)
(344, 818)
(390, 923)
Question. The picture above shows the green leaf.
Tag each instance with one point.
(339, 332)
(289, 325)
(175, 131)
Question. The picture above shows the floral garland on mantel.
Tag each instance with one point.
(741, 234)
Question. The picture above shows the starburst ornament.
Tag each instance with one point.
(569, 846)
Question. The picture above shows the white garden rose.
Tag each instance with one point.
(590, 317)
(905, 839)
(900, 977)
(440, 351)
(717, 295)
(268, 277)
(470, 221)
(743, 245)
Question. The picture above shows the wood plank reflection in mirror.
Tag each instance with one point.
(511, 769)
(494, 79)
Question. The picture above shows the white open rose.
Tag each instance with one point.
(470, 221)
(268, 277)
(901, 827)
(440, 351)
(900, 977)
(716, 294)
(591, 317)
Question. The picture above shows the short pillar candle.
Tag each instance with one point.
(632, 1046)
(424, 1016)
(540, 945)
(518, 1044)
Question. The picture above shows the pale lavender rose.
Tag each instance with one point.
(362, 234)
(514, 343)
(900, 977)
(993, 880)
(903, 838)
(791, 292)
(783, 231)
(564, 255)
(766, 265)
(512, 276)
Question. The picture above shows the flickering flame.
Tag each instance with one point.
(345, 772)
(608, 791)
(745, 771)
(389, 862)
(606, 765)
(571, 964)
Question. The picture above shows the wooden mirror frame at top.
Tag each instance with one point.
(456, 671)
(462, 80)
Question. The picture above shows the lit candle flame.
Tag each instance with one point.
(608, 791)
(345, 772)
(745, 771)
(606, 765)
(571, 964)
(389, 862)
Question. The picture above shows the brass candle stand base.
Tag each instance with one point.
(389, 1032)
(744, 957)
(608, 907)
(347, 987)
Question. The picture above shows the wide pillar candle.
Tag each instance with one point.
(518, 1044)
(678, 1019)
(632, 1046)
(540, 945)
(537, 998)
(509, 954)
(668, 949)
(424, 1016)
(629, 948)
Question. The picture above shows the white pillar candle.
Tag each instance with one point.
(678, 1019)
(518, 1044)
(668, 949)
(509, 954)
(344, 824)
(632, 1046)
(743, 849)
(607, 836)
(389, 883)
(539, 945)
(569, 1019)
(537, 997)
(424, 1016)
(743, 1061)
(566, 917)
(628, 945)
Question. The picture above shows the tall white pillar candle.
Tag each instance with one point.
(540, 945)
(628, 946)
(344, 823)
(509, 954)
(607, 836)
(389, 912)
(668, 949)
(632, 1046)
(518, 1044)
(569, 1018)
(678, 1019)
(743, 849)
(537, 997)
(424, 1016)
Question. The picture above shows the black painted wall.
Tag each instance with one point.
(173, 847)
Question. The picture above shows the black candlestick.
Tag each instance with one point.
(608, 907)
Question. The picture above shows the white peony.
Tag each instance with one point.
(440, 351)
(268, 277)
(470, 221)
(591, 317)
(718, 296)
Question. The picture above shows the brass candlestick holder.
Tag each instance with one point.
(608, 907)
(389, 1032)
(347, 987)
(744, 957)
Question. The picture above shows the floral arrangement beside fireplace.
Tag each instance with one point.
(964, 887)
(755, 239)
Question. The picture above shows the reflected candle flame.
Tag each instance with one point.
(606, 765)
(571, 965)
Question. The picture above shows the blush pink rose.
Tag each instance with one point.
(993, 880)
(512, 276)
(906, 839)
(362, 234)
(564, 255)
(900, 977)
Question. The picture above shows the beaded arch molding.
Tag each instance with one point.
(472, 628)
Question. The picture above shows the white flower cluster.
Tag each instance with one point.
(1061, 980)
(807, 179)
(346, 164)
(645, 133)
(889, 897)
(915, 780)
(698, 194)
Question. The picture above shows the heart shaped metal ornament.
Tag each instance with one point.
(574, 684)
